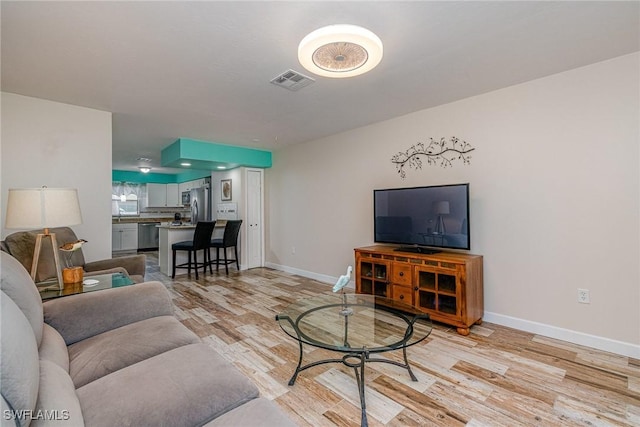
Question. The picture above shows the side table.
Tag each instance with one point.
(89, 284)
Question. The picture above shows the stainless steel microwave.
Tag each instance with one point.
(186, 197)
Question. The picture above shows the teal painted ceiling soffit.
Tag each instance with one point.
(143, 178)
(212, 156)
(158, 178)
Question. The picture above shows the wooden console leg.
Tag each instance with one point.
(463, 331)
(478, 322)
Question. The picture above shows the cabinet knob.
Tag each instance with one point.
(401, 273)
(401, 296)
(415, 289)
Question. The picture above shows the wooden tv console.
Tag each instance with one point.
(447, 285)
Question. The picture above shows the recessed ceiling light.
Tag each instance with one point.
(185, 164)
(144, 159)
(144, 169)
(340, 51)
(221, 167)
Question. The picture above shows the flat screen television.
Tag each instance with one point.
(422, 218)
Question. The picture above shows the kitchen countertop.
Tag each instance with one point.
(219, 224)
(165, 221)
(138, 219)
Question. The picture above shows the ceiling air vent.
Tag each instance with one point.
(292, 80)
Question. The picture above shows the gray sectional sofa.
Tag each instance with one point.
(115, 357)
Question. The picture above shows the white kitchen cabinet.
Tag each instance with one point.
(124, 237)
(161, 195)
(173, 195)
(156, 195)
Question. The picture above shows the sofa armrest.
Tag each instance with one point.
(134, 264)
(108, 271)
(78, 317)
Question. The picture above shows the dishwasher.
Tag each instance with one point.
(148, 236)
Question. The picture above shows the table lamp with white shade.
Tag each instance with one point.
(35, 208)
(441, 208)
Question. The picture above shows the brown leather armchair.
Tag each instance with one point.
(20, 245)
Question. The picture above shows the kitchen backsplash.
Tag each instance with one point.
(168, 211)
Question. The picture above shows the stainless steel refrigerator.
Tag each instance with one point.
(201, 204)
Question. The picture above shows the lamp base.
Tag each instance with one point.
(440, 228)
(72, 275)
(56, 258)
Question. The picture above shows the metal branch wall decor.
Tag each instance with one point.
(444, 152)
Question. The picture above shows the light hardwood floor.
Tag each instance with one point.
(496, 376)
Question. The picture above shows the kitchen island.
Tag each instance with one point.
(170, 234)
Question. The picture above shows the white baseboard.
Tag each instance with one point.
(329, 280)
(580, 338)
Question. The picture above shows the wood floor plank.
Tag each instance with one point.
(463, 353)
(378, 406)
(496, 376)
(476, 412)
(513, 386)
(416, 402)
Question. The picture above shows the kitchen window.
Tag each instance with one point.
(126, 208)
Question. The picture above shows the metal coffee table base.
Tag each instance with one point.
(359, 327)
(355, 360)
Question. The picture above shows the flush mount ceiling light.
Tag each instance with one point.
(144, 169)
(340, 51)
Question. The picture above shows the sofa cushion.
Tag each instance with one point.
(78, 317)
(16, 282)
(19, 365)
(57, 398)
(118, 348)
(256, 413)
(53, 348)
(187, 386)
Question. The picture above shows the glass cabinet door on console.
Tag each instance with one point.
(436, 290)
(373, 277)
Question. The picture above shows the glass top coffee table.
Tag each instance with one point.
(89, 284)
(358, 326)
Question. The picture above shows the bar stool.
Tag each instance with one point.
(201, 239)
(229, 239)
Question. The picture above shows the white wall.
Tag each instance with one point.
(554, 198)
(60, 145)
(237, 196)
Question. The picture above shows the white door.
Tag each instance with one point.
(254, 218)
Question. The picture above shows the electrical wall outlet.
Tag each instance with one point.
(583, 296)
